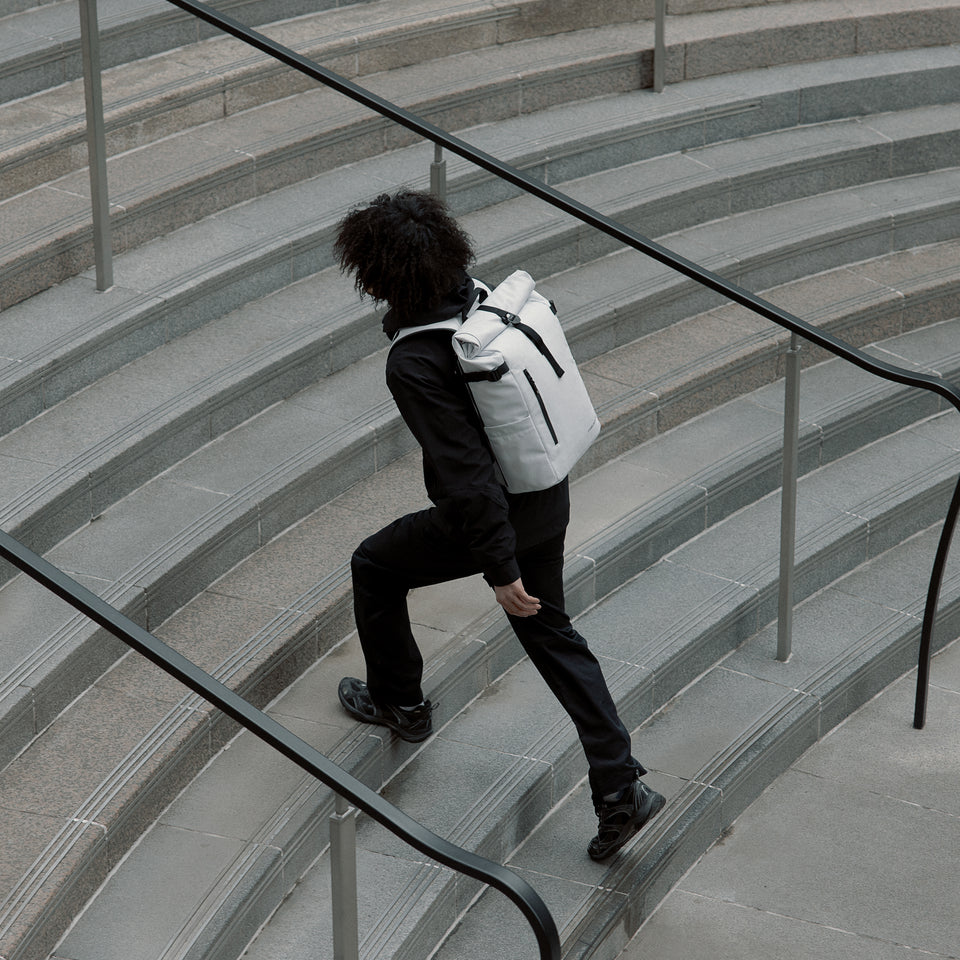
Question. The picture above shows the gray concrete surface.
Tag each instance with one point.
(853, 853)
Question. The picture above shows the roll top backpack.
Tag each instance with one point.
(530, 397)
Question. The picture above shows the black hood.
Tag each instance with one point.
(454, 303)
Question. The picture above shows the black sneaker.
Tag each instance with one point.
(413, 725)
(620, 819)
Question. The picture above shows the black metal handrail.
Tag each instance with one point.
(287, 743)
(645, 245)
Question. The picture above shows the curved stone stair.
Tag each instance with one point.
(498, 62)
(215, 161)
(41, 41)
(233, 366)
(268, 369)
(682, 642)
(165, 502)
(64, 339)
(296, 609)
(714, 748)
(188, 441)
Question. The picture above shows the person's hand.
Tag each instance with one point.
(515, 600)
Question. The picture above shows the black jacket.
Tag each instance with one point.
(458, 468)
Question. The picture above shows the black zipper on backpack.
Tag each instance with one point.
(543, 406)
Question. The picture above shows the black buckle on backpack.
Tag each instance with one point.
(493, 376)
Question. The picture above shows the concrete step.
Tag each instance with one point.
(64, 339)
(716, 735)
(214, 165)
(228, 369)
(71, 478)
(293, 608)
(192, 387)
(847, 854)
(148, 99)
(287, 600)
(712, 750)
(232, 158)
(356, 40)
(16, 6)
(40, 45)
(129, 555)
(309, 617)
(507, 760)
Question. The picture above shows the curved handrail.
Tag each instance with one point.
(645, 245)
(287, 743)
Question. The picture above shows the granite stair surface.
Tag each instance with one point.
(210, 125)
(157, 499)
(205, 443)
(71, 463)
(610, 549)
(684, 639)
(169, 287)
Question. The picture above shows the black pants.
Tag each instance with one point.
(415, 551)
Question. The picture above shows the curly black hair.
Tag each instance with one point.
(405, 250)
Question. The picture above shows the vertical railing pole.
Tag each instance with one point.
(96, 143)
(343, 877)
(659, 45)
(788, 499)
(438, 173)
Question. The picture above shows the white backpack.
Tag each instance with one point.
(535, 409)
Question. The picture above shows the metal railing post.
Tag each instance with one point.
(788, 499)
(659, 45)
(438, 173)
(96, 143)
(343, 878)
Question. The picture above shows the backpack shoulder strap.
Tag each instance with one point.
(453, 323)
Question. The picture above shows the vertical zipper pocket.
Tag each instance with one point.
(543, 407)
